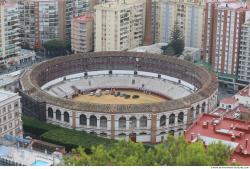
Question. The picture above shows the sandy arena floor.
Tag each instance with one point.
(111, 99)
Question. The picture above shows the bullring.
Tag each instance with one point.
(143, 122)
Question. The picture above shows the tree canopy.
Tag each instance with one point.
(174, 151)
(56, 47)
(176, 44)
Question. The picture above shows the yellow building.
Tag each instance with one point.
(119, 25)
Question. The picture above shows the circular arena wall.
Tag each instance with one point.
(147, 122)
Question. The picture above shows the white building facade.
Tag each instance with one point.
(119, 26)
(244, 54)
(10, 114)
(9, 32)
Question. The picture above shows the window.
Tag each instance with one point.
(58, 115)
(132, 122)
(9, 107)
(143, 121)
(10, 125)
(16, 104)
(172, 119)
(83, 119)
(122, 122)
(93, 121)
(66, 117)
(50, 113)
(180, 117)
(16, 114)
(9, 116)
(163, 121)
(103, 122)
(203, 107)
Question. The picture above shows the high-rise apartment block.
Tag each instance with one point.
(10, 114)
(43, 20)
(188, 15)
(9, 32)
(244, 54)
(223, 27)
(119, 25)
(82, 33)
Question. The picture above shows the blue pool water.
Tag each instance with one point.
(40, 163)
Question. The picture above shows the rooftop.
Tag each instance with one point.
(235, 6)
(232, 132)
(4, 95)
(84, 18)
(9, 78)
(118, 5)
(229, 100)
(27, 157)
(245, 91)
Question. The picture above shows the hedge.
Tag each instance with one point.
(72, 138)
(62, 136)
(35, 126)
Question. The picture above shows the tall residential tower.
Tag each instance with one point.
(119, 25)
(9, 32)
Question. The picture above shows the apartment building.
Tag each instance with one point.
(10, 114)
(189, 16)
(155, 21)
(244, 54)
(9, 33)
(43, 20)
(224, 22)
(82, 36)
(73, 8)
(119, 25)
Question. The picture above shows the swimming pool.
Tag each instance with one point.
(39, 163)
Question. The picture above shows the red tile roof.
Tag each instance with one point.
(84, 18)
(232, 130)
(229, 100)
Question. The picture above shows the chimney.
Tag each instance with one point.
(234, 160)
(205, 125)
(246, 142)
(214, 127)
(233, 137)
(192, 136)
(240, 134)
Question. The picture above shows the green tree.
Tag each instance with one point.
(219, 153)
(56, 47)
(168, 50)
(177, 40)
(194, 155)
(176, 44)
(174, 151)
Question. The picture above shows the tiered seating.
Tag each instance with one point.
(160, 86)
